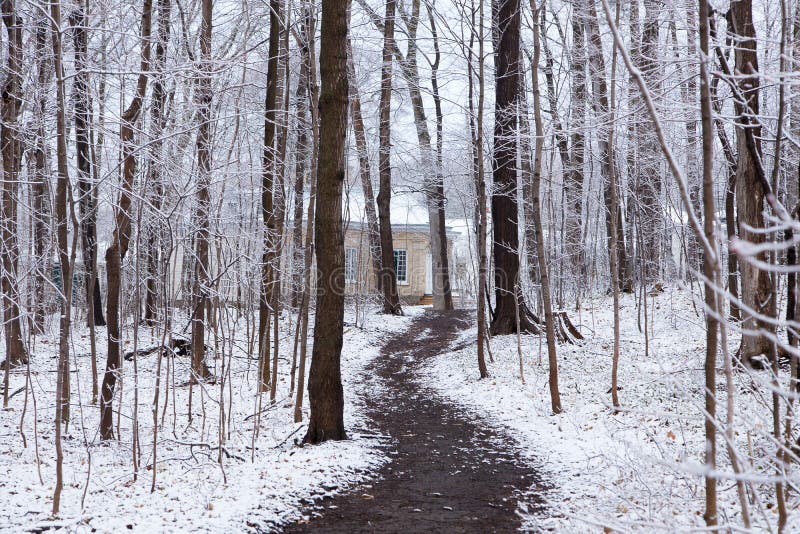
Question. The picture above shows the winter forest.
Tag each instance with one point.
(400, 265)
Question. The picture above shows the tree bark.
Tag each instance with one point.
(202, 274)
(60, 208)
(388, 277)
(549, 319)
(325, 393)
(87, 202)
(40, 183)
(154, 262)
(757, 288)
(573, 179)
(11, 151)
(121, 237)
(710, 270)
(267, 194)
(505, 246)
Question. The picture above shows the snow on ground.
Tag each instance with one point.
(639, 470)
(192, 492)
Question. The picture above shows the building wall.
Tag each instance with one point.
(417, 247)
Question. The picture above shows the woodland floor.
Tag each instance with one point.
(447, 471)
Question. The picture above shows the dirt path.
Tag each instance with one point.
(447, 472)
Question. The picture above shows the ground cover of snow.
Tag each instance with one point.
(641, 469)
(258, 489)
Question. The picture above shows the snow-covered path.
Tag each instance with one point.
(448, 472)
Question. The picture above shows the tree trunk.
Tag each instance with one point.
(154, 262)
(443, 297)
(689, 90)
(555, 397)
(202, 274)
(267, 194)
(302, 152)
(602, 107)
(121, 237)
(325, 393)
(308, 51)
(86, 189)
(573, 183)
(757, 288)
(526, 177)
(476, 127)
(40, 183)
(373, 230)
(11, 151)
(388, 278)
(648, 175)
(710, 270)
(60, 208)
(506, 21)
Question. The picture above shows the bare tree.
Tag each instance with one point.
(158, 118)
(506, 21)
(550, 332)
(11, 151)
(269, 170)
(758, 292)
(202, 267)
(365, 173)
(121, 237)
(86, 189)
(65, 262)
(325, 382)
(388, 277)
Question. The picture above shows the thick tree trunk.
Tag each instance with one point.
(325, 381)
(387, 281)
(11, 151)
(39, 185)
(505, 233)
(86, 189)
(121, 237)
(757, 289)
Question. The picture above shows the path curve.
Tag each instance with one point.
(447, 472)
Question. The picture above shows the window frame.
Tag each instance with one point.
(350, 263)
(396, 255)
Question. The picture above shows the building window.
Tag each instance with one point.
(351, 265)
(401, 266)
